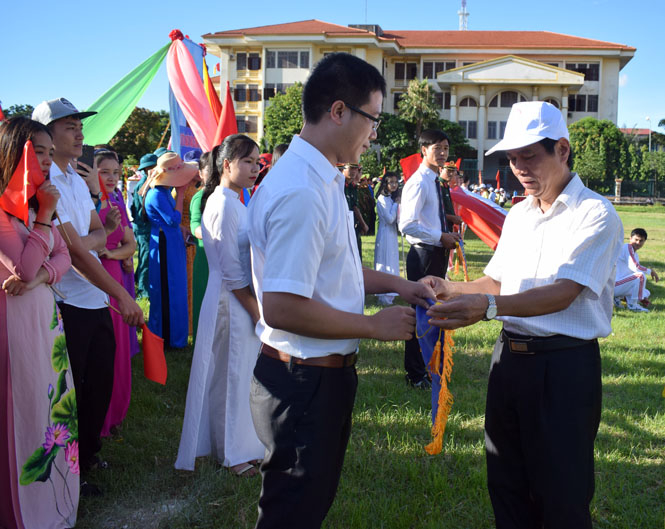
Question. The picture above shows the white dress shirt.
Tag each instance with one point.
(75, 206)
(579, 239)
(419, 211)
(303, 242)
(629, 263)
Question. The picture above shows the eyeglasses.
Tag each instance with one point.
(377, 121)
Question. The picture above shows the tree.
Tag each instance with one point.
(283, 118)
(18, 110)
(140, 134)
(417, 105)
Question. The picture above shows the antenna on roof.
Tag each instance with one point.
(463, 17)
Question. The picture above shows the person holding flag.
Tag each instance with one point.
(33, 257)
(83, 291)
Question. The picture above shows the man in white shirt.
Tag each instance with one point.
(310, 286)
(551, 282)
(631, 275)
(86, 286)
(423, 220)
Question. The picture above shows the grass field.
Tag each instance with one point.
(388, 480)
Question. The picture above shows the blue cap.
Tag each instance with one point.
(148, 160)
(161, 151)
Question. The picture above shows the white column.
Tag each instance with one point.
(564, 103)
(534, 93)
(453, 104)
(482, 127)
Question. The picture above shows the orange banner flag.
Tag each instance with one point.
(211, 94)
(154, 361)
(23, 184)
(227, 123)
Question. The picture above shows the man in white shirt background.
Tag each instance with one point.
(551, 282)
(631, 275)
(86, 286)
(310, 286)
(423, 221)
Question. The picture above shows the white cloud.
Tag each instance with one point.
(623, 79)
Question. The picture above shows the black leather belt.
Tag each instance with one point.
(332, 360)
(529, 345)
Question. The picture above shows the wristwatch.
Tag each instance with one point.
(97, 196)
(490, 313)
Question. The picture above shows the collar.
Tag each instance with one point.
(426, 171)
(569, 197)
(230, 192)
(315, 159)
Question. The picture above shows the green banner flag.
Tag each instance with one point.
(114, 107)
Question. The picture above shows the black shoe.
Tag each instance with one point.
(423, 383)
(89, 490)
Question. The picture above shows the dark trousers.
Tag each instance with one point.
(302, 414)
(142, 264)
(541, 419)
(421, 262)
(91, 348)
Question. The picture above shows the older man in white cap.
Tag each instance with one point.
(550, 282)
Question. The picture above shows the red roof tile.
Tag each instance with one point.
(495, 39)
(636, 132)
(304, 27)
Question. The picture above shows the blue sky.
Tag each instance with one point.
(79, 49)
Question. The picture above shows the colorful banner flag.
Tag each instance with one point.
(23, 184)
(187, 86)
(227, 123)
(211, 94)
(182, 138)
(116, 104)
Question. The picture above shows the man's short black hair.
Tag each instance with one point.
(548, 144)
(431, 136)
(339, 76)
(640, 232)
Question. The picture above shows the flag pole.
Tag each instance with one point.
(163, 134)
(64, 231)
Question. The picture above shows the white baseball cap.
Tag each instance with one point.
(530, 122)
(50, 111)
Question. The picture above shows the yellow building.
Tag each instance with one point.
(477, 75)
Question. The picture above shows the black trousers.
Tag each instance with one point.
(302, 414)
(91, 347)
(421, 262)
(541, 419)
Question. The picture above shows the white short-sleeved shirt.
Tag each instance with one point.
(578, 238)
(75, 206)
(629, 263)
(303, 242)
(419, 210)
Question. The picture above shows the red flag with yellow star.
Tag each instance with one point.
(23, 184)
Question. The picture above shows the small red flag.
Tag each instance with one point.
(2, 114)
(498, 178)
(458, 163)
(480, 177)
(23, 184)
(154, 361)
(211, 94)
(102, 188)
(410, 164)
(227, 122)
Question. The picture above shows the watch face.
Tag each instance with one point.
(491, 312)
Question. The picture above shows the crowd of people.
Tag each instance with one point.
(272, 293)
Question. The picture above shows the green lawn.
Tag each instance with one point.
(388, 480)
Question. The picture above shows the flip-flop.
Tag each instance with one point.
(244, 470)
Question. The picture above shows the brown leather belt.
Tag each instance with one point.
(333, 360)
(529, 345)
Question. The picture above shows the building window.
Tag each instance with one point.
(502, 128)
(254, 62)
(591, 71)
(287, 59)
(468, 102)
(553, 64)
(438, 99)
(431, 68)
(240, 92)
(271, 61)
(247, 124)
(577, 103)
(552, 101)
(491, 130)
(592, 103)
(446, 101)
(467, 63)
(406, 71)
(271, 89)
(241, 61)
(304, 59)
(469, 128)
(508, 99)
(442, 99)
(397, 97)
(241, 124)
(254, 94)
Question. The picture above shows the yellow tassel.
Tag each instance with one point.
(457, 261)
(445, 397)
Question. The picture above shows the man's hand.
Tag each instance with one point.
(449, 239)
(131, 312)
(364, 228)
(460, 312)
(417, 293)
(394, 323)
(654, 276)
(89, 174)
(441, 287)
(112, 221)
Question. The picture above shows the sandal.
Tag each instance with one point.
(244, 470)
